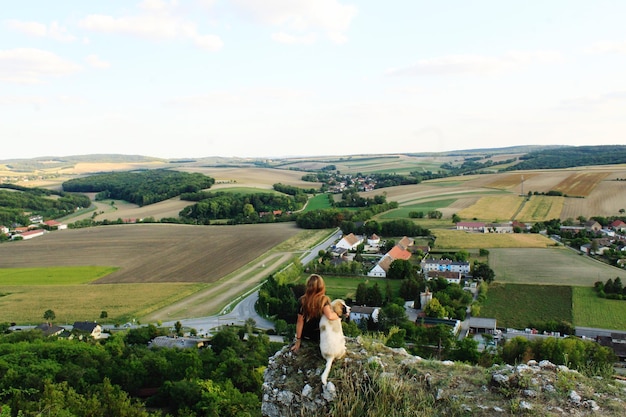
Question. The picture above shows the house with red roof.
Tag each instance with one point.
(618, 225)
(29, 234)
(55, 225)
(382, 267)
(471, 226)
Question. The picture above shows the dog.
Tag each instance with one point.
(332, 340)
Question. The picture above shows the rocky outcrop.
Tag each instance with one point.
(377, 378)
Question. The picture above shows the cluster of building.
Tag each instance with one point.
(362, 183)
(37, 227)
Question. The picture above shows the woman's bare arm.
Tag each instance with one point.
(329, 313)
(299, 327)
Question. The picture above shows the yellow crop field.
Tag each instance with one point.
(506, 181)
(541, 208)
(580, 184)
(27, 304)
(493, 208)
(454, 239)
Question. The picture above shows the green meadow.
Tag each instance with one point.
(318, 202)
(62, 275)
(519, 305)
(345, 287)
(593, 311)
(403, 211)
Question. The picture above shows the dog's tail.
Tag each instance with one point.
(329, 363)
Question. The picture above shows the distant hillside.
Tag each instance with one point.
(572, 156)
(48, 162)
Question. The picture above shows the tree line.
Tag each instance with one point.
(239, 207)
(571, 156)
(121, 376)
(141, 187)
(36, 201)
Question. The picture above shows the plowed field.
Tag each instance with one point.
(150, 252)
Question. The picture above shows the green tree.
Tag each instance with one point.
(391, 315)
(374, 296)
(401, 269)
(482, 271)
(178, 327)
(466, 350)
(248, 210)
(361, 294)
(435, 309)
(49, 316)
(104, 314)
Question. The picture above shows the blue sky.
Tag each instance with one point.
(276, 78)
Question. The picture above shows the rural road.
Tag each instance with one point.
(239, 293)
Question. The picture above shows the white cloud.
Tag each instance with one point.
(158, 22)
(52, 31)
(245, 97)
(94, 61)
(22, 100)
(154, 5)
(586, 103)
(286, 38)
(475, 64)
(27, 28)
(329, 17)
(30, 66)
(609, 47)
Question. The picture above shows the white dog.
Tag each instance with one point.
(332, 341)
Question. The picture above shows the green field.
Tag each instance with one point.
(425, 207)
(593, 311)
(61, 275)
(519, 305)
(318, 202)
(550, 266)
(246, 190)
(345, 287)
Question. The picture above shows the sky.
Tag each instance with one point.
(285, 78)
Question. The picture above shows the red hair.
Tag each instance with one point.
(314, 297)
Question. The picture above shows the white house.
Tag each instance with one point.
(381, 268)
(349, 242)
(471, 226)
(445, 265)
(89, 328)
(499, 228)
(360, 313)
(453, 277)
(373, 240)
(29, 234)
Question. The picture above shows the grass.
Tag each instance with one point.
(26, 304)
(593, 311)
(318, 202)
(425, 207)
(246, 190)
(345, 287)
(519, 305)
(541, 208)
(551, 266)
(62, 275)
(457, 239)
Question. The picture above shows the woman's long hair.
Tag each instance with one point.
(314, 297)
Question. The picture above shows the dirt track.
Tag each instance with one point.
(209, 301)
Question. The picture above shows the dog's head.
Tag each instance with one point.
(340, 307)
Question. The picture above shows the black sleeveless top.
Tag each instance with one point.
(311, 328)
